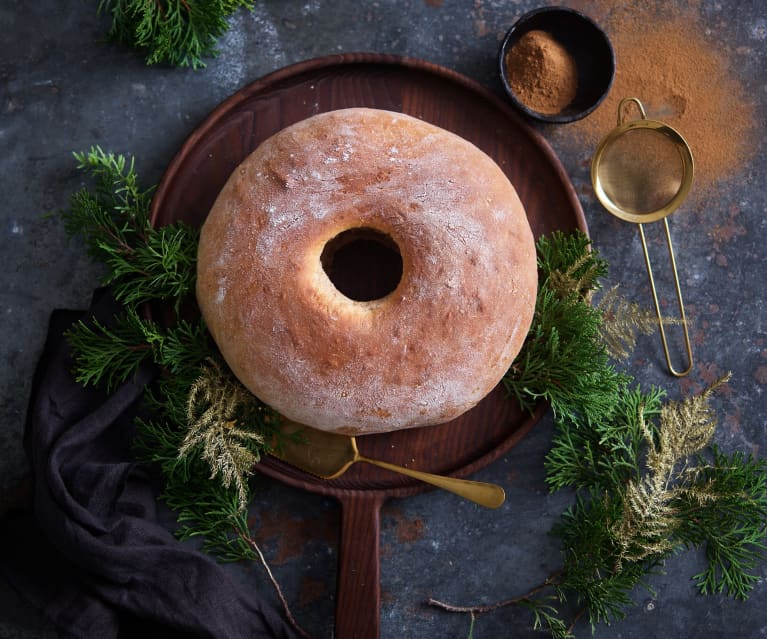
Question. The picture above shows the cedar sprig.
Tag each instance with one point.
(546, 617)
(110, 354)
(177, 32)
(731, 527)
(603, 453)
(589, 580)
(638, 463)
(116, 188)
(144, 263)
(563, 360)
(205, 510)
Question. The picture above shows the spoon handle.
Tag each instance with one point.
(487, 495)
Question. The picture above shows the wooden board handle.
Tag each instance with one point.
(358, 591)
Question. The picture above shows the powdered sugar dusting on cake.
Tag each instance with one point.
(425, 353)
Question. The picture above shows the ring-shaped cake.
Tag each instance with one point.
(364, 271)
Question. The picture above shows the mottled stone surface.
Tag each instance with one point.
(63, 89)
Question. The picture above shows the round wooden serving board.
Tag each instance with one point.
(440, 96)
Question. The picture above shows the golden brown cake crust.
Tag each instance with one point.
(423, 354)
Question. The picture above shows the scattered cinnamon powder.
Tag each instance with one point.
(667, 59)
(541, 72)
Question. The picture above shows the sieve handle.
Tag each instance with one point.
(688, 347)
(622, 104)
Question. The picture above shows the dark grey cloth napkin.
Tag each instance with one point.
(90, 553)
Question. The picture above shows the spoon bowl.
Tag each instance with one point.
(329, 455)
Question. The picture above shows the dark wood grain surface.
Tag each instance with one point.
(440, 96)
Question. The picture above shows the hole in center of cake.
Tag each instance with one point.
(364, 264)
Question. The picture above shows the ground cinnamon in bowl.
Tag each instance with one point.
(556, 64)
(541, 72)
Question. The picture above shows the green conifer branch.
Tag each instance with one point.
(147, 264)
(110, 355)
(731, 527)
(564, 360)
(178, 32)
(571, 253)
(144, 263)
(603, 453)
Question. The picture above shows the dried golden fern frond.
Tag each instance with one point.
(216, 404)
(570, 281)
(622, 321)
(647, 522)
(686, 426)
(649, 518)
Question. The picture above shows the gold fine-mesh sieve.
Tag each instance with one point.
(642, 171)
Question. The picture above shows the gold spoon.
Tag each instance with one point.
(328, 455)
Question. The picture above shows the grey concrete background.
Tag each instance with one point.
(63, 89)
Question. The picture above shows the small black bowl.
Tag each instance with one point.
(586, 42)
